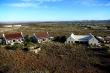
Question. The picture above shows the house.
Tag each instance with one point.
(84, 39)
(12, 38)
(41, 36)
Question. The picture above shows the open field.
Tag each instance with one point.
(55, 57)
(56, 29)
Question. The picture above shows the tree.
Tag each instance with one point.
(61, 39)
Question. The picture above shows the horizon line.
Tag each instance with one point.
(51, 21)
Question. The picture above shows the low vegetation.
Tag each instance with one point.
(55, 57)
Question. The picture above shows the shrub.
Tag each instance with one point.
(16, 46)
(61, 39)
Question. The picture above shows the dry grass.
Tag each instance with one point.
(53, 57)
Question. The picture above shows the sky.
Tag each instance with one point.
(53, 10)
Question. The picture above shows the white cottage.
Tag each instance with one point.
(42, 36)
(12, 38)
(88, 39)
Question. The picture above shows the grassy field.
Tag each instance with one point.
(56, 30)
(56, 57)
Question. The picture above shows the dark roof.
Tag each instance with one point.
(42, 35)
(13, 35)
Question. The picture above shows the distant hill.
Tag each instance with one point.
(82, 22)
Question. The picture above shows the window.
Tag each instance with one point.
(43, 39)
(20, 40)
(13, 40)
(69, 41)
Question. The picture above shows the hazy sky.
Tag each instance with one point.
(54, 10)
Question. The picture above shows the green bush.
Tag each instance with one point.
(16, 46)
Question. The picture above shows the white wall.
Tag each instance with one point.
(70, 40)
(93, 41)
(12, 42)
